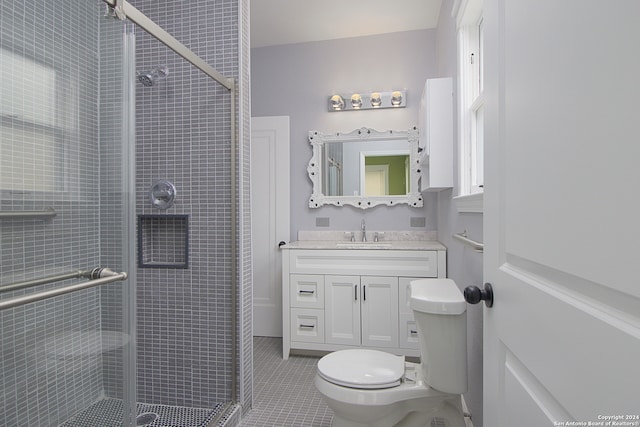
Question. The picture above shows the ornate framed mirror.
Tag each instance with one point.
(365, 168)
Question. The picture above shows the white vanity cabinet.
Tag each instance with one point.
(338, 299)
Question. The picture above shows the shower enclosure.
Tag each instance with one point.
(93, 110)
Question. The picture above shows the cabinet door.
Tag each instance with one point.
(379, 311)
(342, 309)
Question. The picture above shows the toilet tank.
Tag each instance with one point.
(440, 312)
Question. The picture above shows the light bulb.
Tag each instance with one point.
(356, 101)
(376, 99)
(337, 103)
(396, 98)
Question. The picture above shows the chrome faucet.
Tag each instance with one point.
(351, 235)
(364, 230)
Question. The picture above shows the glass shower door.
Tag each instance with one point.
(65, 204)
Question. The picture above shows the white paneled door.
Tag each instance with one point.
(562, 341)
(269, 219)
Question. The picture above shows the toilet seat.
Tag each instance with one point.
(362, 368)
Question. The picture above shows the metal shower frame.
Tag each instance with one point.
(124, 10)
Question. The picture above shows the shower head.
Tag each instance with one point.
(150, 77)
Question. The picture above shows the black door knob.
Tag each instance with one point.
(282, 243)
(473, 294)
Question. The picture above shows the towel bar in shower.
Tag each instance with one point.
(94, 273)
(109, 277)
(46, 213)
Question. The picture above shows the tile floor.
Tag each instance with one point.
(283, 393)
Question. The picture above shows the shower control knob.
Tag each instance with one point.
(162, 194)
(473, 294)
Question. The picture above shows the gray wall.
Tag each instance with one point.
(296, 80)
(464, 265)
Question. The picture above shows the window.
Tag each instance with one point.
(31, 138)
(471, 106)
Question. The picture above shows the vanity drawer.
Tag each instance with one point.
(306, 290)
(365, 262)
(307, 325)
(408, 332)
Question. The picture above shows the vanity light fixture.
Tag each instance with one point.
(368, 101)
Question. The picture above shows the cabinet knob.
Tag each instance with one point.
(473, 294)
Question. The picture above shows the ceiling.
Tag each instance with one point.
(276, 22)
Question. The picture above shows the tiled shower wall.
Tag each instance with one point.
(245, 337)
(183, 135)
(51, 82)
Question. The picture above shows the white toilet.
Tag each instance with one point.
(373, 388)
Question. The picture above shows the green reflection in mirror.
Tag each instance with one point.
(386, 175)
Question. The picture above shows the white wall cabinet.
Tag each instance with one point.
(435, 123)
(337, 299)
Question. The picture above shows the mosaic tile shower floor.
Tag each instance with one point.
(108, 413)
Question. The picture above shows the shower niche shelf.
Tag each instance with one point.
(163, 241)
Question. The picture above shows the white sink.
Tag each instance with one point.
(364, 245)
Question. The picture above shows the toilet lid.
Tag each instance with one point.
(362, 368)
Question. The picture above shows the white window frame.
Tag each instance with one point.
(470, 104)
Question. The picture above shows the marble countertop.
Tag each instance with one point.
(390, 240)
(410, 245)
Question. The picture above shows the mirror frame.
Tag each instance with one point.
(315, 168)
